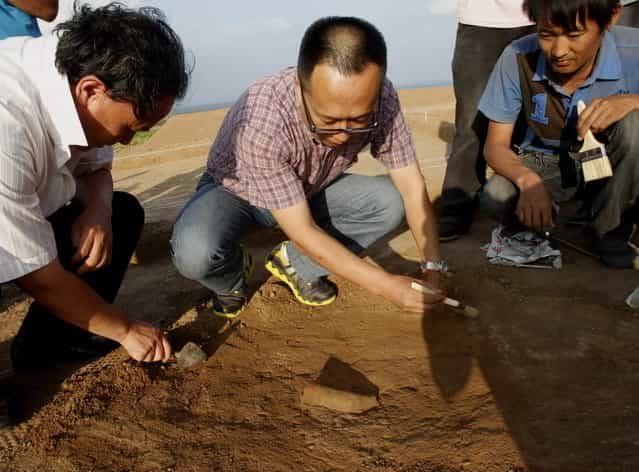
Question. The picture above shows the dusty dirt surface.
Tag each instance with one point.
(545, 379)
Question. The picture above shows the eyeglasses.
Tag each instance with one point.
(372, 126)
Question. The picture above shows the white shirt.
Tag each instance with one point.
(492, 13)
(38, 123)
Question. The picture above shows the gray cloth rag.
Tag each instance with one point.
(523, 247)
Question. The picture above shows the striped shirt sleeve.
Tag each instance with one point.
(27, 242)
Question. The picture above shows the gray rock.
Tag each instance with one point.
(190, 355)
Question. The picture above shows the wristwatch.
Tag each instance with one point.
(433, 266)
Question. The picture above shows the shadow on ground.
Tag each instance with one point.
(544, 379)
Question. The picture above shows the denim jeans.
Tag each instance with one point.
(630, 16)
(477, 50)
(357, 210)
(608, 199)
(44, 336)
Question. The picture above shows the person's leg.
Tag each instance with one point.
(356, 210)
(499, 199)
(614, 200)
(477, 50)
(42, 336)
(630, 16)
(500, 196)
(205, 245)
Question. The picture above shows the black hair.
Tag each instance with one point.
(568, 13)
(135, 53)
(347, 44)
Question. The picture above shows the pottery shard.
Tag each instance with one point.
(338, 400)
(190, 355)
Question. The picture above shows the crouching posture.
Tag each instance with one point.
(280, 159)
(576, 55)
(66, 236)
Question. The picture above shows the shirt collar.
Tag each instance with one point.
(608, 66)
(55, 93)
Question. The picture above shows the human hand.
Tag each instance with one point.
(601, 113)
(146, 343)
(399, 291)
(92, 236)
(435, 280)
(534, 208)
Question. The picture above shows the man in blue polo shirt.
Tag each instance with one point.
(575, 56)
(18, 17)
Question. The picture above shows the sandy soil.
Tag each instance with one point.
(544, 380)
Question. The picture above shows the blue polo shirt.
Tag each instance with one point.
(551, 128)
(15, 22)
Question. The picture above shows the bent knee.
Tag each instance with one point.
(392, 206)
(498, 197)
(625, 133)
(193, 252)
(128, 206)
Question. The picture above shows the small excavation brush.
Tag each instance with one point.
(467, 310)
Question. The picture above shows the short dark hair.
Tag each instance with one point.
(566, 13)
(347, 44)
(134, 52)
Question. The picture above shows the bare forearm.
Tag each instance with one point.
(72, 300)
(421, 221)
(505, 162)
(334, 257)
(420, 215)
(46, 10)
(95, 190)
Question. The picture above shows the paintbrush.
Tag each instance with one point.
(467, 310)
(594, 160)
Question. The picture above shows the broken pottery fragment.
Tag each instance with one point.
(341, 388)
(338, 400)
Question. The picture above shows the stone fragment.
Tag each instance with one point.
(190, 355)
(633, 299)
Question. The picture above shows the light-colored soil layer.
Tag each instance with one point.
(544, 380)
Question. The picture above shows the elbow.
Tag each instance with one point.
(49, 15)
(49, 12)
(488, 154)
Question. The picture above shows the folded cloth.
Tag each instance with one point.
(521, 247)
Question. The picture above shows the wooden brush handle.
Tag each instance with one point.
(424, 289)
(589, 140)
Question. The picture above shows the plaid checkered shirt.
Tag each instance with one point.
(265, 153)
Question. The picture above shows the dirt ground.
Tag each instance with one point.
(546, 379)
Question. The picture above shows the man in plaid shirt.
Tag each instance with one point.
(280, 158)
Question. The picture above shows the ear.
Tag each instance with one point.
(615, 16)
(88, 89)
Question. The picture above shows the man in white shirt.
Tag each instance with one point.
(66, 237)
(485, 28)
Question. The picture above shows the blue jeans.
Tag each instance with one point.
(477, 49)
(357, 210)
(608, 199)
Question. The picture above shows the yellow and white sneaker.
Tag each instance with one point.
(317, 292)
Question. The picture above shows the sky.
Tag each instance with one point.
(233, 43)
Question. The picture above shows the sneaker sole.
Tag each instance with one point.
(446, 239)
(282, 277)
(230, 316)
(249, 265)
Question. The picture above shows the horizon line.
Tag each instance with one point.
(181, 110)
